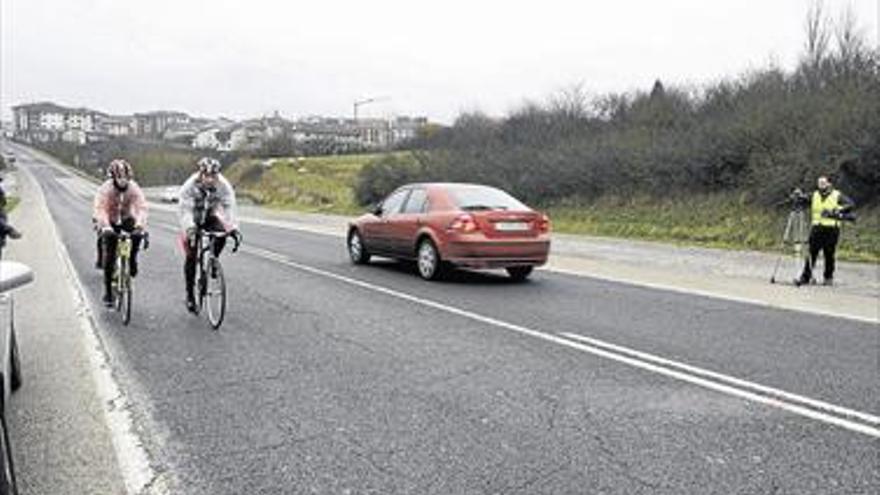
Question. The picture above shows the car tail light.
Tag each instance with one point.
(464, 223)
(543, 224)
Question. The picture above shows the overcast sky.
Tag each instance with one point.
(250, 57)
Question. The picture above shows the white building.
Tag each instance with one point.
(47, 122)
(75, 136)
(115, 125)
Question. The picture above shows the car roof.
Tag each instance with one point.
(445, 185)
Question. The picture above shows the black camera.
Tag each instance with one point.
(797, 199)
(843, 216)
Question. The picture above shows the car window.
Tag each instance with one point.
(416, 202)
(392, 203)
(468, 197)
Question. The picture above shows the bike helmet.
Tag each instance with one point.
(209, 166)
(119, 169)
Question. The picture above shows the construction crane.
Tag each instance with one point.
(366, 101)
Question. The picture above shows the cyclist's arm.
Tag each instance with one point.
(139, 206)
(229, 203)
(187, 203)
(101, 206)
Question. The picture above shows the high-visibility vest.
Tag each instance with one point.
(829, 203)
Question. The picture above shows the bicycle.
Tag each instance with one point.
(122, 280)
(210, 278)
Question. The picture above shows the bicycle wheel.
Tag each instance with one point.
(201, 287)
(117, 283)
(215, 294)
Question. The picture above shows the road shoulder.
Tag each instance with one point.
(60, 434)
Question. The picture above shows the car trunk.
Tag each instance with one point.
(500, 224)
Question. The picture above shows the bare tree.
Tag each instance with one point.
(818, 33)
(852, 49)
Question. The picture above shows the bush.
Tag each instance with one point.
(378, 178)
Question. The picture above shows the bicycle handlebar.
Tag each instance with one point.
(219, 235)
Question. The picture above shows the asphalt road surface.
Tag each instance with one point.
(331, 378)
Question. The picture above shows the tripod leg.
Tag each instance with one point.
(786, 237)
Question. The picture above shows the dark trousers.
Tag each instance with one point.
(823, 239)
(108, 241)
(212, 224)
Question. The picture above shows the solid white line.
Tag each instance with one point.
(790, 397)
(134, 464)
(779, 403)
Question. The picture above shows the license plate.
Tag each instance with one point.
(511, 226)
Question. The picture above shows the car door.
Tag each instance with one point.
(380, 235)
(404, 226)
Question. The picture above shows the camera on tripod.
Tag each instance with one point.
(797, 199)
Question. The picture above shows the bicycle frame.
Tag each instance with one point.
(121, 275)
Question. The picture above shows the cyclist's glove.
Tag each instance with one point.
(237, 237)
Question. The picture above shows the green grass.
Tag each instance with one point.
(314, 184)
(724, 220)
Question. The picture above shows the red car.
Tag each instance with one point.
(446, 224)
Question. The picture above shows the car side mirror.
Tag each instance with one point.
(377, 209)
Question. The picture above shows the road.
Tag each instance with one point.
(331, 378)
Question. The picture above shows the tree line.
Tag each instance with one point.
(762, 133)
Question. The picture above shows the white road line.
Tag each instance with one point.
(783, 400)
(134, 464)
(329, 232)
(720, 377)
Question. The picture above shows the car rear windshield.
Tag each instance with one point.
(475, 198)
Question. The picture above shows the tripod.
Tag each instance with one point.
(795, 239)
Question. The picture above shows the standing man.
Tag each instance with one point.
(119, 205)
(827, 208)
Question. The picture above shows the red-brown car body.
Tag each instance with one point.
(466, 233)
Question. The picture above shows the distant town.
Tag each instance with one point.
(47, 122)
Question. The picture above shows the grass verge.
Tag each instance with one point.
(322, 184)
(725, 220)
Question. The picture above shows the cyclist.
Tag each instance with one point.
(206, 202)
(119, 205)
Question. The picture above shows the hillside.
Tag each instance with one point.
(315, 184)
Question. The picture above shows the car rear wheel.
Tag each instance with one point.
(519, 273)
(356, 249)
(429, 263)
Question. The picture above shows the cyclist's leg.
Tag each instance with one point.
(128, 225)
(189, 274)
(99, 248)
(108, 240)
(214, 224)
